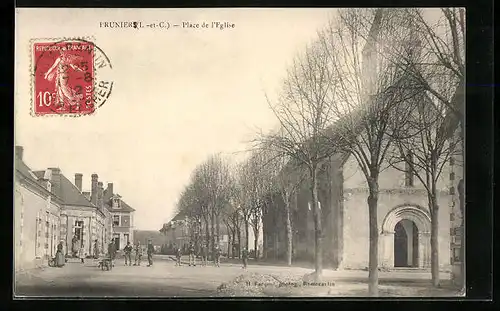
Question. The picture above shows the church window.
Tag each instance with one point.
(409, 177)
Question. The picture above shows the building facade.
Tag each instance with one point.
(49, 208)
(122, 217)
(36, 217)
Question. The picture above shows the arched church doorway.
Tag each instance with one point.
(405, 238)
(406, 244)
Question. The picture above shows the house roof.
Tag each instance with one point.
(124, 206)
(27, 173)
(66, 190)
(22, 168)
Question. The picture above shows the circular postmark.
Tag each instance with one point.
(71, 77)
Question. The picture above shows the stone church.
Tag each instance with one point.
(404, 222)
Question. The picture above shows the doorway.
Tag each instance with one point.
(405, 244)
(117, 241)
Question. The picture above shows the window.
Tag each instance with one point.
(116, 220)
(125, 221)
(126, 238)
(116, 203)
(409, 169)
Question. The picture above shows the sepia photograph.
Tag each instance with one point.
(239, 152)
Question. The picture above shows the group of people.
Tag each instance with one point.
(203, 253)
(128, 249)
(79, 252)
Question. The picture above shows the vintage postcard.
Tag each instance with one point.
(239, 152)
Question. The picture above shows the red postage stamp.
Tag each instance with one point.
(63, 78)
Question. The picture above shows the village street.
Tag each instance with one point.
(164, 279)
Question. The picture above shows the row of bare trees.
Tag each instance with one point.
(382, 86)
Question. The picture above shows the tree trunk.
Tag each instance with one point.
(434, 242)
(256, 243)
(247, 231)
(318, 251)
(289, 236)
(217, 220)
(207, 233)
(233, 233)
(212, 238)
(373, 224)
(239, 240)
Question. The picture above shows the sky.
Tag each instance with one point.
(179, 95)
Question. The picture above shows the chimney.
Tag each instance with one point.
(110, 189)
(100, 198)
(93, 189)
(19, 152)
(78, 181)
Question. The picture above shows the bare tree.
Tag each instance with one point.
(217, 182)
(286, 178)
(370, 97)
(199, 182)
(425, 150)
(243, 203)
(303, 112)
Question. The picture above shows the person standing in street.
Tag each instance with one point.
(217, 256)
(112, 251)
(60, 260)
(192, 255)
(178, 256)
(128, 251)
(203, 253)
(244, 256)
(138, 254)
(81, 253)
(150, 250)
(96, 249)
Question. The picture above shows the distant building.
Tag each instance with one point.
(182, 230)
(122, 217)
(143, 236)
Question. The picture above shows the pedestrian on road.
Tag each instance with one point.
(151, 250)
(75, 246)
(192, 255)
(217, 256)
(178, 255)
(138, 254)
(203, 255)
(244, 256)
(60, 260)
(96, 249)
(112, 252)
(128, 251)
(81, 253)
